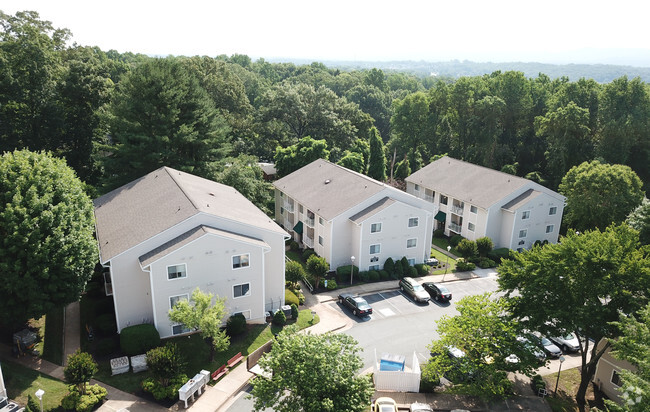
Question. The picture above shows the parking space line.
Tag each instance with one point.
(389, 302)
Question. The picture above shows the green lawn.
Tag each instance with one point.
(50, 331)
(443, 242)
(197, 353)
(443, 259)
(564, 401)
(21, 381)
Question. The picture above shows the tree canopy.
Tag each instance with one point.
(639, 219)
(48, 250)
(292, 158)
(312, 373)
(579, 285)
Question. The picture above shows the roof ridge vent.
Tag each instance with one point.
(327, 181)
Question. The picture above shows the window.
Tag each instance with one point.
(523, 233)
(320, 240)
(549, 228)
(443, 199)
(374, 249)
(373, 267)
(375, 228)
(413, 222)
(471, 227)
(300, 209)
(173, 300)
(411, 243)
(180, 328)
(281, 194)
(417, 188)
(176, 271)
(281, 210)
(552, 210)
(411, 261)
(242, 290)
(525, 215)
(473, 209)
(241, 261)
(616, 378)
(321, 221)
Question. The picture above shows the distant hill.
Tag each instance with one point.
(602, 73)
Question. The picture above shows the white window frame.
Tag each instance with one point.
(242, 296)
(552, 209)
(473, 209)
(611, 378)
(320, 240)
(525, 215)
(550, 228)
(186, 295)
(374, 267)
(471, 226)
(300, 209)
(525, 232)
(416, 220)
(446, 200)
(281, 210)
(248, 260)
(416, 187)
(321, 221)
(178, 277)
(182, 332)
(415, 243)
(373, 225)
(411, 261)
(378, 247)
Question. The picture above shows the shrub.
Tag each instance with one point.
(537, 383)
(484, 245)
(236, 324)
(389, 266)
(485, 263)
(165, 363)
(294, 311)
(80, 370)
(373, 275)
(463, 266)
(32, 405)
(138, 339)
(301, 298)
(105, 324)
(161, 392)
(455, 240)
(307, 253)
(499, 254)
(290, 297)
(74, 401)
(405, 265)
(399, 271)
(293, 272)
(106, 346)
(422, 269)
(412, 272)
(363, 276)
(331, 284)
(279, 319)
(293, 245)
(467, 248)
(394, 276)
(384, 275)
(439, 233)
(343, 272)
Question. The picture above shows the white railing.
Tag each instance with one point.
(455, 227)
(457, 210)
(309, 221)
(308, 241)
(288, 206)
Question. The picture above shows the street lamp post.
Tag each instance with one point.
(39, 394)
(446, 264)
(557, 382)
(351, 270)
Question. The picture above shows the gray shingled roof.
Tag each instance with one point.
(191, 235)
(328, 189)
(372, 209)
(525, 197)
(478, 185)
(139, 210)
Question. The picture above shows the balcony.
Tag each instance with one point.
(288, 206)
(457, 210)
(309, 220)
(308, 241)
(428, 198)
(455, 227)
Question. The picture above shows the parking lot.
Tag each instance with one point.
(391, 303)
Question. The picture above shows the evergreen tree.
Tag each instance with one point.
(377, 161)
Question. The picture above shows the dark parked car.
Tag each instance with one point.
(413, 288)
(356, 304)
(549, 347)
(437, 291)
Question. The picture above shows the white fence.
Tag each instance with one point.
(406, 381)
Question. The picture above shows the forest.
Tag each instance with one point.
(117, 116)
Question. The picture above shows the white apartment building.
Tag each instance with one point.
(475, 201)
(343, 214)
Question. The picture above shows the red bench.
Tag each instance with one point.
(235, 360)
(219, 372)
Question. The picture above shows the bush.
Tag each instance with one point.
(343, 273)
(467, 248)
(293, 245)
(293, 272)
(484, 245)
(32, 405)
(301, 298)
(499, 254)
(364, 276)
(331, 284)
(95, 394)
(236, 324)
(399, 271)
(455, 240)
(422, 269)
(405, 265)
(373, 275)
(463, 266)
(165, 363)
(279, 319)
(384, 275)
(290, 298)
(485, 263)
(389, 266)
(105, 324)
(161, 392)
(138, 339)
(294, 311)
(439, 233)
(307, 253)
(106, 346)
(537, 383)
(394, 276)
(412, 272)
(80, 369)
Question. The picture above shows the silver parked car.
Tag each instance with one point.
(413, 288)
(568, 342)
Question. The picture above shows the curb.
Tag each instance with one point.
(228, 400)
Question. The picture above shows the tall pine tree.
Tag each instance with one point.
(377, 160)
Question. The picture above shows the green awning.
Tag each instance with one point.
(298, 227)
(441, 216)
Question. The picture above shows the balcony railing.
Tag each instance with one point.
(428, 198)
(288, 207)
(309, 221)
(308, 241)
(455, 227)
(457, 210)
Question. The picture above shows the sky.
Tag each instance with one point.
(551, 31)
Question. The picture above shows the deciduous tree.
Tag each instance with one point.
(80, 369)
(639, 219)
(292, 158)
(317, 267)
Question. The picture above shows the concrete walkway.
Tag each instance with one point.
(72, 336)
